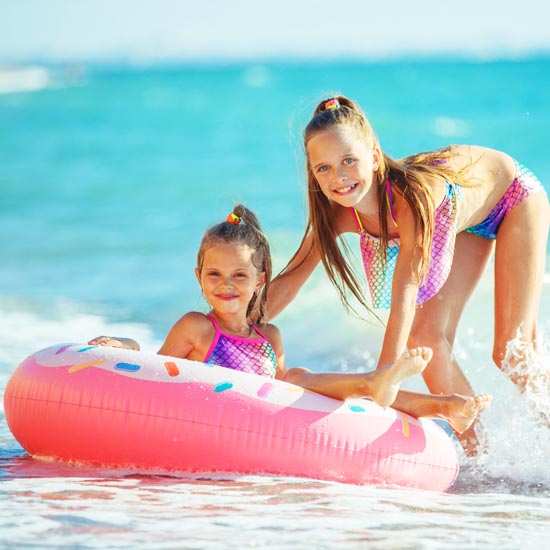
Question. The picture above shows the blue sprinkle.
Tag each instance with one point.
(222, 386)
(127, 366)
(86, 349)
(356, 408)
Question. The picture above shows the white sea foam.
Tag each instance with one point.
(24, 79)
(25, 330)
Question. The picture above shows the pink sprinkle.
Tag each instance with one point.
(265, 389)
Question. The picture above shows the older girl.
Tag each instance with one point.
(428, 225)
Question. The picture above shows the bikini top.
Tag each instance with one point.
(255, 355)
(380, 276)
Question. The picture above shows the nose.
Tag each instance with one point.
(227, 281)
(341, 174)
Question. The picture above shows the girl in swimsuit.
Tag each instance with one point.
(428, 225)
(234, 273)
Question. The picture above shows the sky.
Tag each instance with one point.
(171, 30)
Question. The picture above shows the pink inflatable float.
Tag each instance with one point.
(142, 412)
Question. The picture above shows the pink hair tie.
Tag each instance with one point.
(332, 104)
(233, 218)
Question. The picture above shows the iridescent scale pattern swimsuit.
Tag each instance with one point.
(380, 276)
(255, 355)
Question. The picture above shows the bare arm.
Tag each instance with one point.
(404, 288)
(285, 287)
(189, 338)
(333, 384)
(114, 342)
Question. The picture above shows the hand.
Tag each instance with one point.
(114, 342)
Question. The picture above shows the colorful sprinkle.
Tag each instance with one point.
(222, 386)
(93, 363)
(295, 389)
(172, 368)
(86, 348)
(62, 349)
(127, 366)
(356, 408)
(405, 425)
(265, 389)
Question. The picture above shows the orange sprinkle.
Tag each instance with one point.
(93, 363)
(172, 368)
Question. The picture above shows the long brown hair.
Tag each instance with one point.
(247, 231)
(408, 177)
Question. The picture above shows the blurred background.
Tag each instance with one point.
(128, 127)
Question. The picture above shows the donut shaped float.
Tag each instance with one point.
(138, 411)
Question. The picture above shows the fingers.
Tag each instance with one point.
(108, 341)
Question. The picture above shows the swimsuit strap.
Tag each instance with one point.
(216, 338)
(389, 199)
(215, 323)
(258, 331)
(357, 219)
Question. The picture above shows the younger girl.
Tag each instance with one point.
(428, 226)
(234, 273)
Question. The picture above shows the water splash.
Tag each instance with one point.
(516, 426)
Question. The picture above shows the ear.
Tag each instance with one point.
(376, 156)
(198, 276)
(261, 281)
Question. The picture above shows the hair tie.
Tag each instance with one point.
(233, 218)
(332, 104)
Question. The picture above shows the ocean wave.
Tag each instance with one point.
(33, 78)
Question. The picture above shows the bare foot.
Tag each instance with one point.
(387, 379)
(462, 411)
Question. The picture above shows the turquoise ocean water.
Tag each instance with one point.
(109, 176)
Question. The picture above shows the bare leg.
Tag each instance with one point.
(381, 385)
(519, 268)
(458, 410)
(436, 322)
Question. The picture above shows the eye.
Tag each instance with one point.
(348, 160)
(323, 168)
(241, 275)
(212, 273)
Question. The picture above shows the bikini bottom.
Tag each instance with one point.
(524, 185)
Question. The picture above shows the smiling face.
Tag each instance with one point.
(229, 278)
(343, 164)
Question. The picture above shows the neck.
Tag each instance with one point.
(234, 324)
(368, 204)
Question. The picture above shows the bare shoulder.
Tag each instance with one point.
(270, 330)
(189, 337)
(273, 334)
(194, 322)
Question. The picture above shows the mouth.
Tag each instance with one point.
(226, 297)
(345, 190)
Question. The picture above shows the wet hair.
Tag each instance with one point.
(247, 231)
(408, 178)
